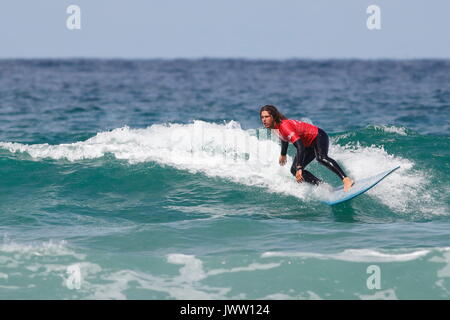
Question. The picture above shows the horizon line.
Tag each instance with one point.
(223, 58)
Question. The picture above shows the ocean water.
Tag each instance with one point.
(154, 179)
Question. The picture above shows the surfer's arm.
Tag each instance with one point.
(284, 147)
(300, 154)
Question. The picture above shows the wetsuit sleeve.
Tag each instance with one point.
(300, 153)
(284, 147)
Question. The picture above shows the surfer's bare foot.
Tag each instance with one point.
(348, 183)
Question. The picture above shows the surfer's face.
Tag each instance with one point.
(267, 119)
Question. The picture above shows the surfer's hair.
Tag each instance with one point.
(273, 111)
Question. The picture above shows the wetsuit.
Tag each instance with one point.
(311, 142)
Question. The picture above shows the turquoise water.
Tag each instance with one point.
(154, 180)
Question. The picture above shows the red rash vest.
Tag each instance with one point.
(292, 130)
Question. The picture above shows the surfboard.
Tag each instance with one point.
(337, 195)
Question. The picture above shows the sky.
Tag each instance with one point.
(253, 29)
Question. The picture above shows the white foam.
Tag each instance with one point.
(278, 296)
(313, 296)
(219, 150)
(120, 281)
(445, 258)
(48, 248)
(353, 255)
(310, 295)
(441, 284)
(9, 287)
(392, 129)
(187, 285)
(405, 190)
(192, 269)
(388, 294)
(251, 267)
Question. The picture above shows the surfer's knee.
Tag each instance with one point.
(321, 159)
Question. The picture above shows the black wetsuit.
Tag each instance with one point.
(319, 151)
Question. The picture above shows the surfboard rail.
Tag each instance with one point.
(361, 186)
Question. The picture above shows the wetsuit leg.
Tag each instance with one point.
(310, 155)
(307, 176)
(321, 150)
(310, 178)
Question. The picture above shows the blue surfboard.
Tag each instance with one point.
(337, 195)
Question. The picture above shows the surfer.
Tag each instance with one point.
(311, 143)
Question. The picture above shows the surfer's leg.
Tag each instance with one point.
(307, 176)
(293, 169)
(321, 150)
(309, 156)
(310, 178)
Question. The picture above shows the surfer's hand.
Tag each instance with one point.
(282, 160)
(298, 176)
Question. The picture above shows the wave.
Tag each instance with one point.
(392, 129)
(248, 157)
